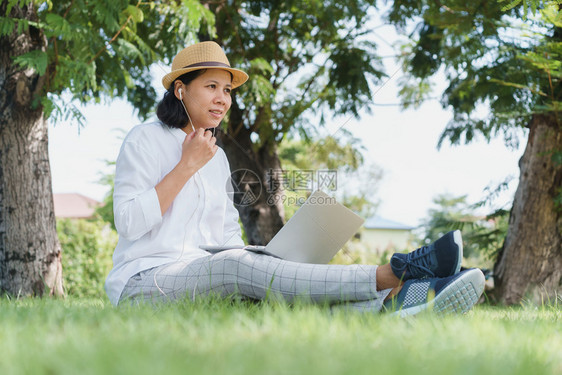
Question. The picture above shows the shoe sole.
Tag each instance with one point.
(457, 238)
(457, 297)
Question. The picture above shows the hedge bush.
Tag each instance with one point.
(87, 250)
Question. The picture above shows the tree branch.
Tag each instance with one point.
(114, 36)
(68, 9)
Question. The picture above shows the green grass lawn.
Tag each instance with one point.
(221, 337)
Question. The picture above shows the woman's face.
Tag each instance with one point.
(208, 98)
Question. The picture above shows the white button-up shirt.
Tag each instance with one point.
(202, 212)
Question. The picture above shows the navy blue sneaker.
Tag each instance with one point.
(457, 293)
(441, 258)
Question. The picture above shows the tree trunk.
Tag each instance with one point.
(30, 253)
(530, 263)
(257, 191)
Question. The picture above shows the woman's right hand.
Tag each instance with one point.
(197, 149)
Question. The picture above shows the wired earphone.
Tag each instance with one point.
(187, 113)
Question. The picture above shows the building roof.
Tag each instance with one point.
(73, 205)
(377, 222)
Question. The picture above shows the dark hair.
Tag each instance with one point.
(170, 111)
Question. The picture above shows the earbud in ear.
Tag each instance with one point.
(180, 94)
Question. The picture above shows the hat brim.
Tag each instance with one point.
(238, 76)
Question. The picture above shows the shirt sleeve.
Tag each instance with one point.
(135, 202)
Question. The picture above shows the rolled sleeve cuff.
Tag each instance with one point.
(150, 206)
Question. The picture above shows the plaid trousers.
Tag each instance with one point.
(257, 276)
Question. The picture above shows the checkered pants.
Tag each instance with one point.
(257, 276)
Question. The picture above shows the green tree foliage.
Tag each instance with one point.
(337, 166)
(482, 235)
(105, 211)
(303, 58)
(493, 54)
(325, 153)
(87, 248)
(104, 49)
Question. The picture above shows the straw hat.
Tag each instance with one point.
(204, 55)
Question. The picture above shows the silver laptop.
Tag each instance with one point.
(315, 233)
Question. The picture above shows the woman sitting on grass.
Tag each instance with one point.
(171, 196)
